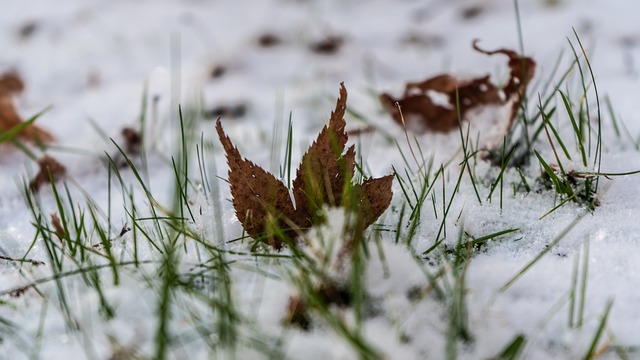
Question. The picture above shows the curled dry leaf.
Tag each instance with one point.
(12, 84)
(430, 105)
(264, 206)
(50, 169)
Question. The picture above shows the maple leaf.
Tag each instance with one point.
(323, 171)
(264, 206)
(433, 104)
(260, 200)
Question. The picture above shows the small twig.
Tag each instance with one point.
(32, 261)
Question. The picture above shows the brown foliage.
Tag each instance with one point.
(132, 140)
(297, 312)
(423, 111)
(50, 169)
(11, 84)
(228, 111)
(327, 46)
(263, 204)
(57, 226)
(267, 40)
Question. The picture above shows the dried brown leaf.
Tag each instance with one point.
(57, 226)
(324, 171)
(11, 84)
(329, 293)
(522, 71)
(297, 314)
(376, 199)
(50, 169)
(327, 46)
(217, 71)
(263, 204)
(267, 40)
(260, 200)
(132, 140)
(432, 105)
(227, 111)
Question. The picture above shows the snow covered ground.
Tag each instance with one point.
(256, 62)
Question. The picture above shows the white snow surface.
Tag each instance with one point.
(92, 61)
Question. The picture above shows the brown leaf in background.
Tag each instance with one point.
(11, 84)
(228, 111)
(431, 105)
(423, 110)
(132, 140)
(50, 168)
(522, 71)
(328, 45)
(268, 40)
(263, 204)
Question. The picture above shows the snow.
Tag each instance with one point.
(93, 60)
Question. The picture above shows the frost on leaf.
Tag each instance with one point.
(433, 104)
(11, 84)
(264, 206)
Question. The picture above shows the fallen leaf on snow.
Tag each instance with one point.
(430, 105)
(11, 84)
(50, 169)
(263, 203)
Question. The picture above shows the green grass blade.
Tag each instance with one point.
(592, 352)
(547, 248)
(514, 349)
(574, 125)
(11, 134)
